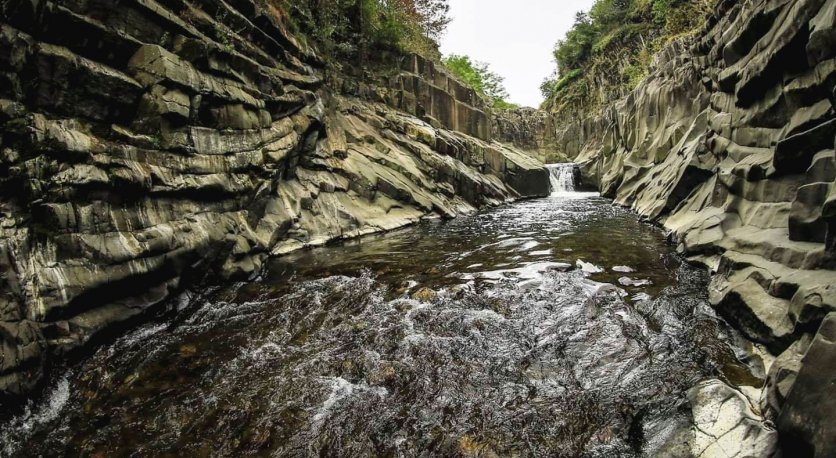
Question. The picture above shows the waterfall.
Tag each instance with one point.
(562, 177)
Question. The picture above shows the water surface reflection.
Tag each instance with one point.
(509, 333)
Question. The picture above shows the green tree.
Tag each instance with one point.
(574, 50)
(610, 12)
(480, 78)
(608, 51)
(362, 26)
(433, 16)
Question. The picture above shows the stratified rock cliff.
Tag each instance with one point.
(730, 144)
(149, 144)
(531, 130)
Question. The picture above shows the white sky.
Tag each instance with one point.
(515, 37)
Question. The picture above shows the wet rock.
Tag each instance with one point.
(385, 374)
(458, 291)
(728, 143)
(470, 447)
(627, 281)
(588, 267)
(188, 351)
(622, 269)
(559, 267)
(424, 295)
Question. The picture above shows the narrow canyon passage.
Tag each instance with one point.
(560, 326)
(307, 228)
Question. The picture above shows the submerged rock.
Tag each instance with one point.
(623, 269)
(627, 281)
(424, 295)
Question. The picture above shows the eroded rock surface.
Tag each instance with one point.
(729, 143)
(146, 145)
(531, 130)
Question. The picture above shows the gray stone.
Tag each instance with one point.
(728, 143)
(725, 425)
(805, 421)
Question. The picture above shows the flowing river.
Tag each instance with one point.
(560, 326)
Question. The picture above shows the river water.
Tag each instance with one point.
(553, 327)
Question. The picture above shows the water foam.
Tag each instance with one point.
(17, 432)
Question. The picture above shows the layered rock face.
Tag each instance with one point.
(531, 130)
(730, 144)
(149, 144)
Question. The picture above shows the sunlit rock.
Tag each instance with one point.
(725, 424)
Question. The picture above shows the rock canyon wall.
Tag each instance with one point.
(148, 145)
(729, 143)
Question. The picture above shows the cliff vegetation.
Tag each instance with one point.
(357, 28)
(480, 78)
(609, 49)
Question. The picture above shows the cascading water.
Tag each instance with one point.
(564, 183)
(562, 177)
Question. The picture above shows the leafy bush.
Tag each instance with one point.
(609, 50)
(552, 86)
(618, 36)
(500, 104)
(363, 26)
(661, 9)
(480, 78)
(575, 49)
(610, 12)
(571, 76)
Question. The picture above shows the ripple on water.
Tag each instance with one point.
(510, 352)
(20, 429)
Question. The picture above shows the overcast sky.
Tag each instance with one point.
(515, 37)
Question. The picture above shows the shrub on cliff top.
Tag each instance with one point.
(480, 78)
(609, 50)
(359, 27)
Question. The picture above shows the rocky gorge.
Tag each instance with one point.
(151, 146)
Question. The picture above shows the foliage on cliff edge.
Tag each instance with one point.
(359, 28)
(480, 78)
(354, 30)
(610, 48)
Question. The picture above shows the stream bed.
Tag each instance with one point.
(560, 326)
